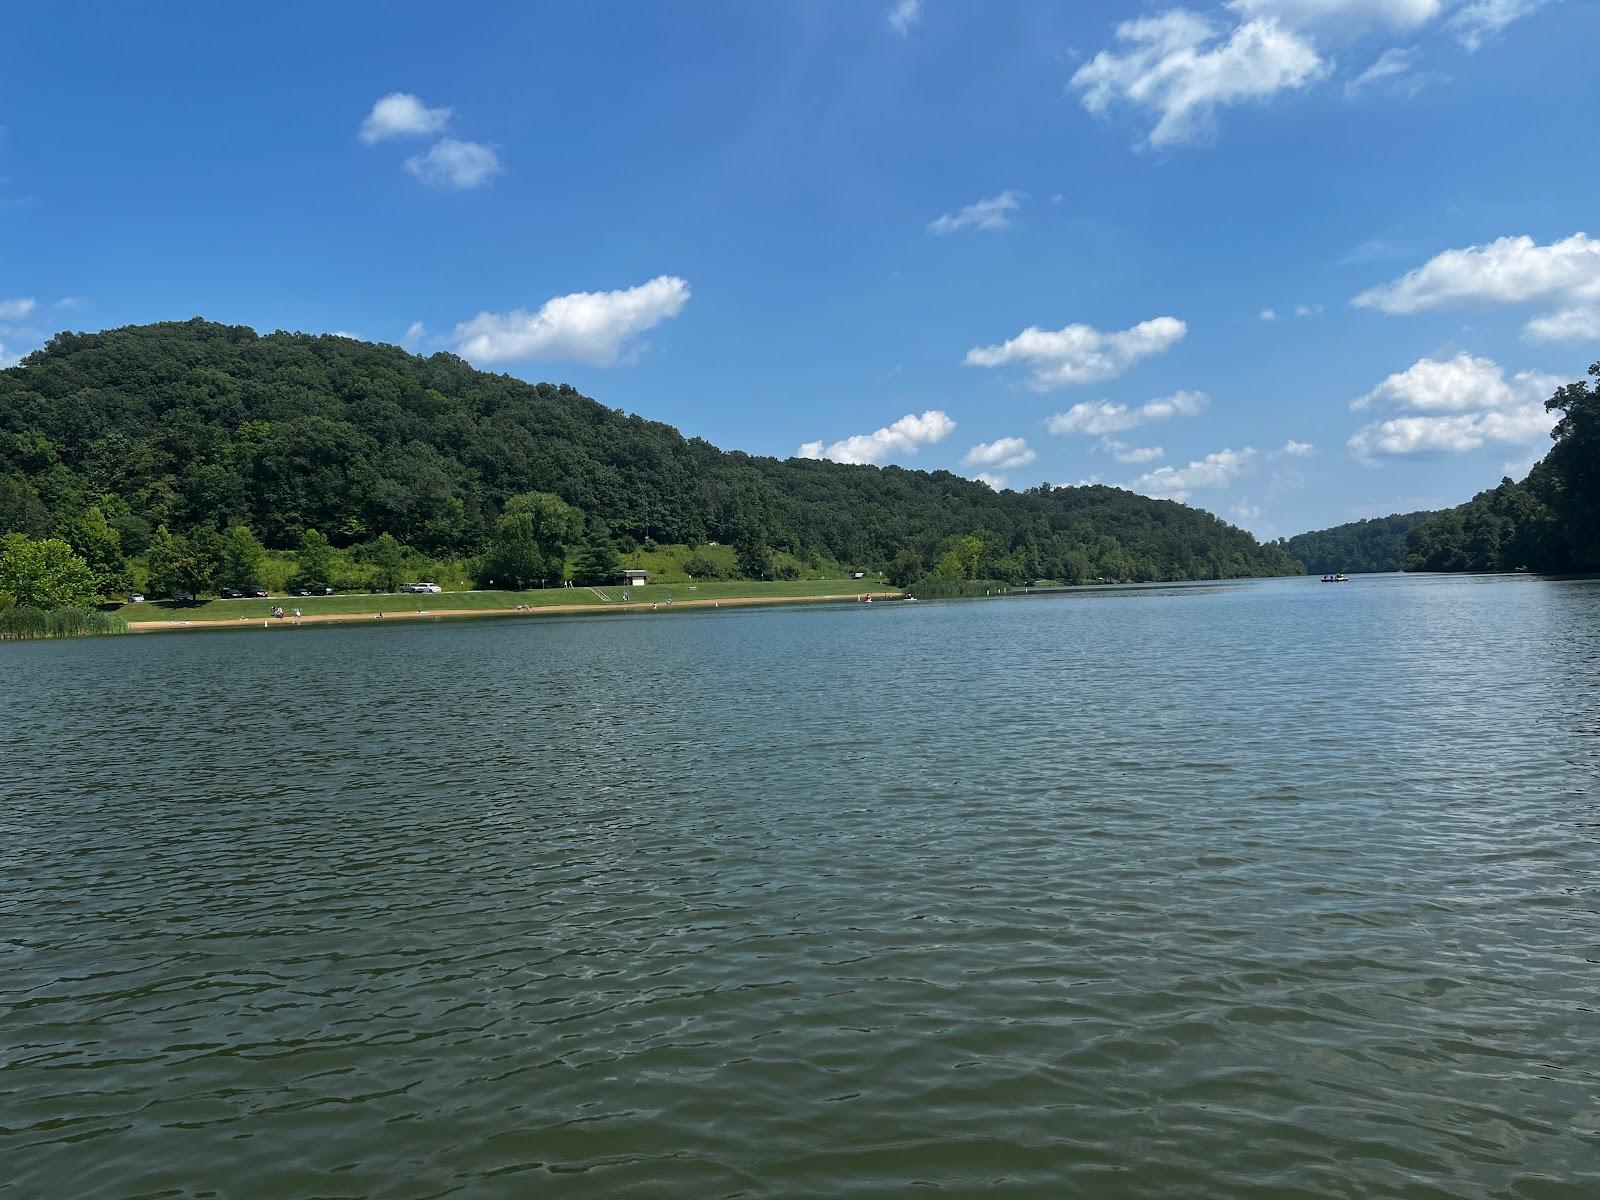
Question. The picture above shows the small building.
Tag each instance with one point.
(635, 578)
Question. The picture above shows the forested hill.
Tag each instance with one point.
(1548, 522)
(199, 427)
(1376, 544)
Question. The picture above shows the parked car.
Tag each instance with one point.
(183, 597)
(260, 593)
(135, 597)
(420, 587)
(229, 593)
(301, 592)
(324, 590)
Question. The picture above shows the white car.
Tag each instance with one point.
(420, 587)
(135, 597)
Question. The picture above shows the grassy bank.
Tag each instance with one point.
(214, 612)
(29, 624)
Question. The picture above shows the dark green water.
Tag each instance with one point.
(1262, 890)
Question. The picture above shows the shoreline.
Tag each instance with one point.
(176, 625)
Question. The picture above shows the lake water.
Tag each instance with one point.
(1257, 890)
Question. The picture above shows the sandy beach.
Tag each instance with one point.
(177, 625)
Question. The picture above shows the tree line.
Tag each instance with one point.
(194, 448)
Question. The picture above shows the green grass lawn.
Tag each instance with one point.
(398, 603)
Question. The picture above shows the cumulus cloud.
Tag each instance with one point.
(1307, 310)
(449, 163)
(1100, 417)
(1510, 270)
(1182, 68)
(903, 14)
(1079, 353)
(997, 482)
(588, 327)
(1460, 384)
(400, 114)
(991, 215)
(906, 436)
(1005, 454)
(14, 310)
(1341, 16)
(416, 333)
(1465, 431)
(1211, 472)
(1125, 453)
(1296, 449)
(1455, 405)
(1269, 314)
(1479, 21)
(1581, 324)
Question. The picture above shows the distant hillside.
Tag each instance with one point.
(1376, 544)
(202, 427)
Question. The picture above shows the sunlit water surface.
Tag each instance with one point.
(1253, 890)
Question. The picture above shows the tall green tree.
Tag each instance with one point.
(44, 573)
(100, 546)
(908, 567)
(202, 561)
(314, 560)
(388, 562)
(597, 562)
(754, 557)
(242, 558)
(164, 559)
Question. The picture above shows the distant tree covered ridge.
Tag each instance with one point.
(1375, 544)
(1549, 522)
(194, 448)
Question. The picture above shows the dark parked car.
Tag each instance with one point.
(183, 597)
(301, 592)
(229, 593)
(260, 593)
(322, 591)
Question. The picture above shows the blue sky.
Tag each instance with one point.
(1034, 241)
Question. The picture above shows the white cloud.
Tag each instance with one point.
(449, 163)
(997, 482)
(1581, 324)
(1296, 449)
(1125, 453)
(1461, 384)
(1099, 417)
(1511, 270)
(12, 310)
(1341, 16)
(1079, 353)
(588, 327)
(1246, 511)
(1005, 454)
(7, 359)
(1394, 73)
(415, 334)
(1213, 471)
(1269, 314)
(71, 303)
(345, 333)
(1179, 66)
(903, 14)
(400, 114)
(905, 436)
(991, 215)
(1307, 310)
(1452, 406)
(1452, 434)
(1480, 20)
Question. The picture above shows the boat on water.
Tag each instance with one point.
(1340, 577)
